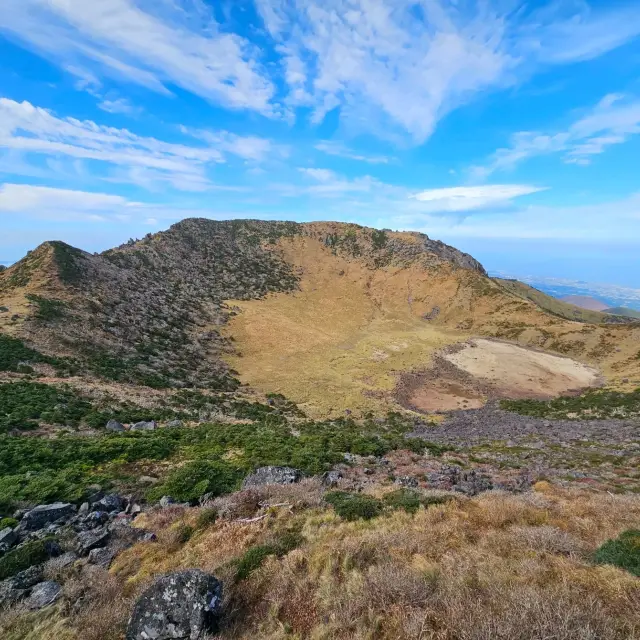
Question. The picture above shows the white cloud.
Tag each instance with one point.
(251, 148)
(153, 44)
(455, 199)
(120, 155)
(119, 105)
(612, 121)
(333, 148)
(405, 64)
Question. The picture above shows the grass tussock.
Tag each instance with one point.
(497, 566)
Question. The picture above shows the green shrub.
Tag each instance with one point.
(351, 506)
(8, 522)
(405, 499)
(253, 557)
(623, 552)
(24, 557)
(47, 309)
(206, 517)
(194, 479)
(183, 533)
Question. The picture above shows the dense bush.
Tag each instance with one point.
(623, 552)
(592, 405)
(352, 506)
(8, 522)
(206, 517)
(24, 557)
(47, 309)
(192, 480)
(405, 499)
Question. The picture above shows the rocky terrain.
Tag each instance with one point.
(274, 430)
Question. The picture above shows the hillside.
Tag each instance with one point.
(624, 311)
(329, 314)
(275, 430)
(556, 306)
(585, 302)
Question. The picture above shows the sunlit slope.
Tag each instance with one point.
(342, 341)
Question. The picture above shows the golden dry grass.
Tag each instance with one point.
(340, 342)
(497, 566)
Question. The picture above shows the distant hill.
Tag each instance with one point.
(623, 311)
(586, 302)
(558, 307)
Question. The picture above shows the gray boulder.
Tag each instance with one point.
(178, 606)
(173, 424)
(143, 426)
(272, 475)
(43, 594)
(114, 425)
(408, 482)
(44, 514)
(8, 537)
(101, 557)
(112, 502)
(331, 478)
(89, 540)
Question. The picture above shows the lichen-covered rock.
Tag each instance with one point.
(143, 426)
(43, 594)
(101, 557)
(272, 475)
(89, 540)
(114, 425)
(8, 537)
(44, 514)
(112, 502)
(178, 606)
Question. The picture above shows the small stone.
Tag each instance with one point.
(84, 508)
(8, 537)
(272, 475)
(173, 424)
(147, 480)
(112, 502)
(166, 501)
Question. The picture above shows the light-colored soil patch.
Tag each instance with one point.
(444, 395)
(517, 372)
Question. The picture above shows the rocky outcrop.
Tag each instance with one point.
(45, 514)
(178, 606)
(272, 475)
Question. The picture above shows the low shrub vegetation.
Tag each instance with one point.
(24, 557)
(352, 506)
(623, 552)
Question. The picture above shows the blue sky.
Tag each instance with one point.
(509, 129)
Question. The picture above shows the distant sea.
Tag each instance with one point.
(611, 294)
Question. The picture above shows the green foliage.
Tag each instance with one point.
(253, 557)
(68, 261)
(192, 480)
(352, 506)
(8, 523)
(47, 309)
(379, 239)
(592, 405)
(206, 518)
(623, 552)
(403, 499)
(183, 533)
(24, 557)
(25, 405)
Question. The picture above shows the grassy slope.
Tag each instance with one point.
(624, 311)
(551, 304)
(339, 342)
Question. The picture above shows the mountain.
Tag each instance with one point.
(340, 427)
(333, 315)
(623, 311)
(586, 302)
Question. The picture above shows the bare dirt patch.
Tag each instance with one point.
(464, 376)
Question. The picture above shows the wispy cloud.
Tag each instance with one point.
(118, 105)
(405, 65)
(613, 121)
(333, 148)
(456, 199)
(118, 154)
(156, 45)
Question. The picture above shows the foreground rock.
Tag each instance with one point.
(114, 425)
(272, 475)
(43, 594)
(143, 426)
(178, 606)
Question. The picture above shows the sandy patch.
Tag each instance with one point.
(517, 372)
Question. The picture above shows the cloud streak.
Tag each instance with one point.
(612, 121)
